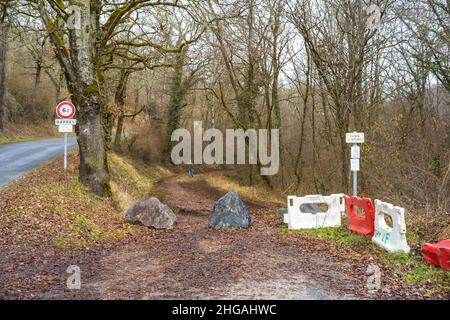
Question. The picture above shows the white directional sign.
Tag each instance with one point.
(354, 137)
(65, 128)
(354, 165)
(356, 152)
(72, 122)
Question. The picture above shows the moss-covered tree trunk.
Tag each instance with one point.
(93, 169)
(81, 65)
(178, 90)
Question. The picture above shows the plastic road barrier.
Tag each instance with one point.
(364, 225)
(437, 254)
(392, 239)
(304, 213)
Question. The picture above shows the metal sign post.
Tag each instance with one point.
(65, 128)
(65, 150)
(355, 139)
(355, 156)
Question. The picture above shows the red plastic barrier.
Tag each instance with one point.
(437, 254)
(364, 225)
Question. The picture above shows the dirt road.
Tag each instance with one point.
(191, 261)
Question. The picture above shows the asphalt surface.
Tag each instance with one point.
(19, 158)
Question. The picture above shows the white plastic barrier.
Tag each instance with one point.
(391, 239)
(300, 218)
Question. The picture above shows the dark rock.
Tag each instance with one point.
(151, 213)
(230, 212)
(282, 211)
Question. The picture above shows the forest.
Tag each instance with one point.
(312, 69)
(139, 71)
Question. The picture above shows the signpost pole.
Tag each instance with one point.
(65, 150)
(355, 179)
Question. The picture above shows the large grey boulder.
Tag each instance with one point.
(230, 212)
(151, 213)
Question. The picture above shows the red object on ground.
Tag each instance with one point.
(437, 254)
(364, 225)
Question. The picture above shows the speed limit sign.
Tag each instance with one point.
(65, 110)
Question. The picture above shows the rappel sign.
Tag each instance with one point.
(65, 111)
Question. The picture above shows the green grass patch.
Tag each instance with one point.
(416, 270)
(83, 232)
(339, 235)
(424, 274)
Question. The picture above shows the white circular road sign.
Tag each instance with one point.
(65, 110)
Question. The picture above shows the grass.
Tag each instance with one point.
(426, 274)
(132, 180)
(84, 219)
(416, 270)
(340, 236)
(50, 205)
(257, 194)
(82, 232)
(14, 133)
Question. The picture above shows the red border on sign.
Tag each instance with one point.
(60, 105)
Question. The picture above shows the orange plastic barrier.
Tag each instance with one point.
(437, 254)
(364, 225)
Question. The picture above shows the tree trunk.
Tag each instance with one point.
(119, 130)
(37, 81)
(108, 120)
(94, 172)
(119, 99)
(177, 93)
(4, 27)
(345, 160)
(58, 87)
(82, 68)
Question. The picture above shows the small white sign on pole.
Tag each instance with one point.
(354, 137)
(65, 128)
(59, 122)
(356, 152)
(354, 165)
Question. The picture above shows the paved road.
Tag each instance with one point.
(19, 158)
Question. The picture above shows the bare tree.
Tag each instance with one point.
(4, 28)
(341, 46)
(428, 23)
